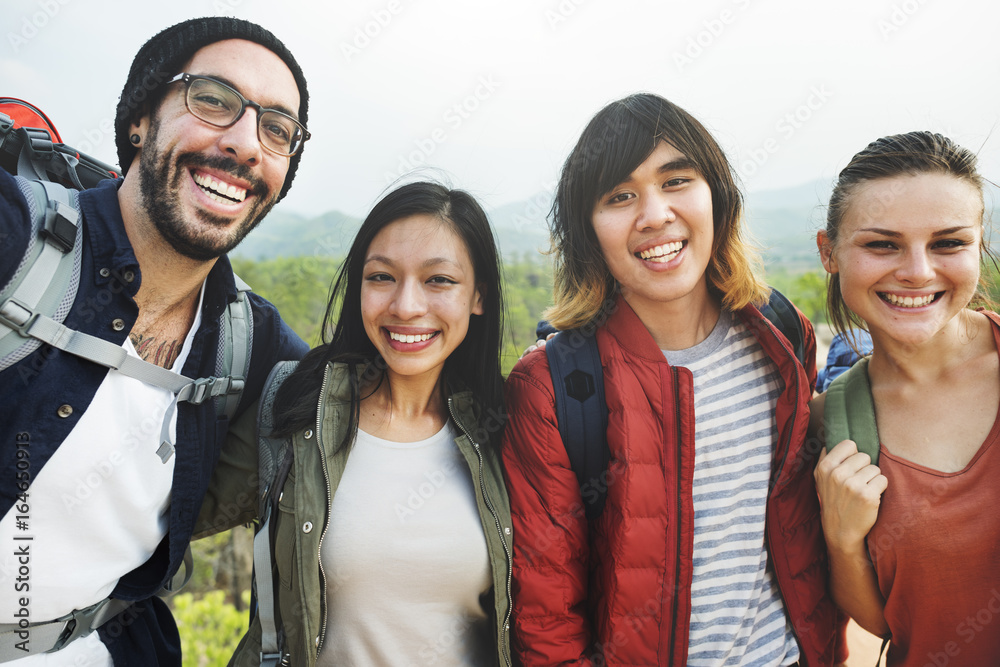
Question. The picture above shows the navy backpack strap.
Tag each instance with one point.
(782, 314)
(582, 412)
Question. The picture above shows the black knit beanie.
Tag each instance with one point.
(161, 58)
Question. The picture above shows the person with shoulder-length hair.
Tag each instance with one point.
(392, 538)
(914, 541)
(709, 549)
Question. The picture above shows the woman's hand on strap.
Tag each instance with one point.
(850, 489)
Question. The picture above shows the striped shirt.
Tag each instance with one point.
(737, 614)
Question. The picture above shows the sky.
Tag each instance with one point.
(491, 95)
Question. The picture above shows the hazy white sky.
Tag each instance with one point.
(492, 94)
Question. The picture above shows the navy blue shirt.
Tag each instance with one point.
(35, 393)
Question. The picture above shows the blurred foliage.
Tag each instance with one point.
(527, 292)
(298, 286)
(991, 280)
(211, 627)
(212, 610)
(807, 290)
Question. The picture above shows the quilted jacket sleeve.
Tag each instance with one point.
(550, 571)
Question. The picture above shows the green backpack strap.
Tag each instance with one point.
(849, 411)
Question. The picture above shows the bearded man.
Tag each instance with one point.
(209, 130)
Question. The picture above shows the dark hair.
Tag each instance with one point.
(907, 154)
(475, 363)
(615, 142)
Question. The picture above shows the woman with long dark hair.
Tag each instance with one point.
(392, 538)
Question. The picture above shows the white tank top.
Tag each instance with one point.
(406, 559)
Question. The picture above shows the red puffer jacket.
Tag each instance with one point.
(619, 593)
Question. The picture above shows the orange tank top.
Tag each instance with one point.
(936, 550)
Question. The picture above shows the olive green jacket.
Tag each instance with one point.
(304, 511)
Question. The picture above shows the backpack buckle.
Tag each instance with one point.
(211, 387)
(80, 624)
(17, 316)
(39, 141)
(61, 225)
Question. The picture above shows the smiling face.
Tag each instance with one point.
(908, 254)
(655, 231)
(418, 292)
(205, 187)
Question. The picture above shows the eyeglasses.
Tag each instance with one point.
(217, 104)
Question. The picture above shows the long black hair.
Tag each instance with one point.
(474, 365)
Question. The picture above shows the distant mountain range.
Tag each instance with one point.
(783, 222)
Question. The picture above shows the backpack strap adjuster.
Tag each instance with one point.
(270, 659)
(17, 316)
(61, 225)
(39, 141)
(202, 389)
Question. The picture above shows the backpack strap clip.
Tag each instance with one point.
(201, 389)
(39, 141)
(61, 225)
(17, 316)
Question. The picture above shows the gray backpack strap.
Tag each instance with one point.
(236, 345)
(36, 301)
(19, 641)
(274, 462)
(49, 274)
(99, 351)
(849, 411)
(180, 578)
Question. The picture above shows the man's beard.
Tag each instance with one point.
(161, 201)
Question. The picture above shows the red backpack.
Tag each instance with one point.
(30, 146)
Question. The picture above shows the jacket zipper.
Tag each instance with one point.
(677, 566)
(777, 475)
(326, 523)
(795, 409)
(499, 525)
(781, 465)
